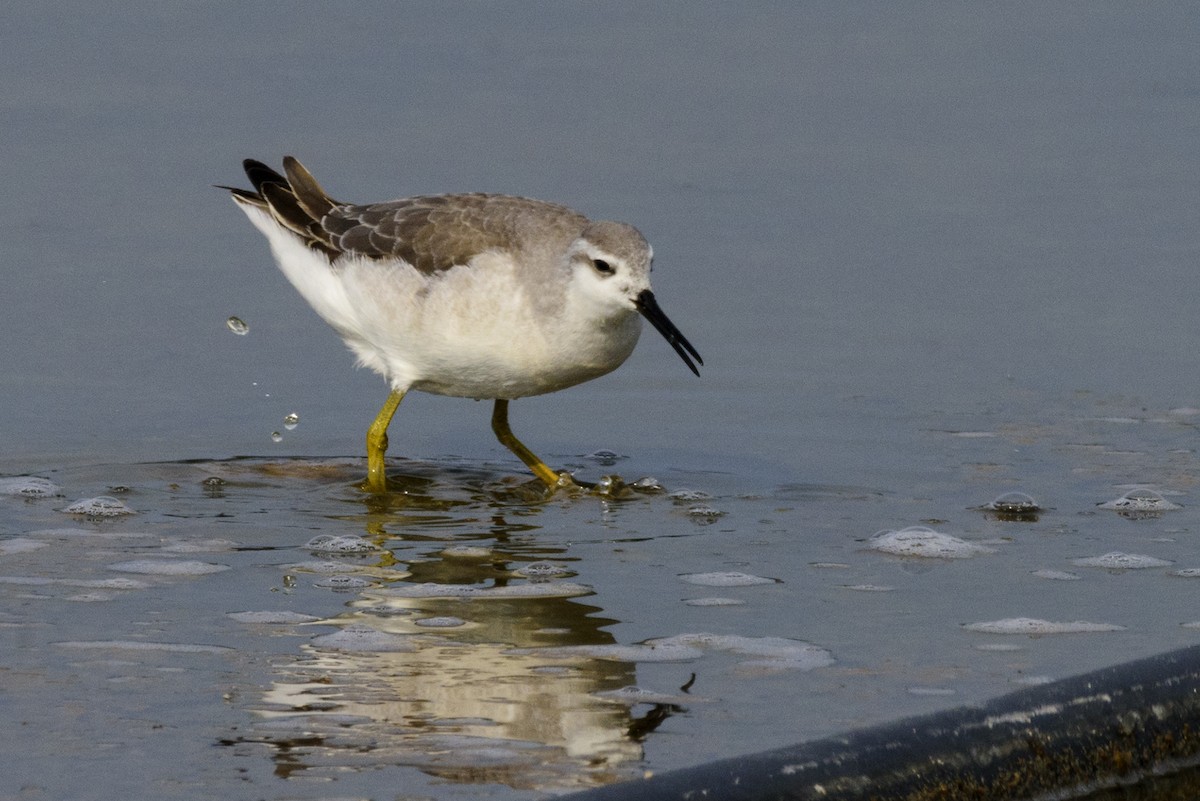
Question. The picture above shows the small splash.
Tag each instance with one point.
(339, 544)
(102, 506)
(276, 436)
(168, 567)
(1033, 626)
(925, 543)
(237, 326)
(728, 578)
(29, 487)
(1140, 502)
(704, 513)
(648, 484)
(1117, 560)
(290, 421)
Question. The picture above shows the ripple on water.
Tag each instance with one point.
(925, 543)
(167, 567)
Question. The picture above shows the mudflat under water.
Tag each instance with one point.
(931, 256)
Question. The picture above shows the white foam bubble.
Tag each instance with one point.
(1014, 503)
(338, 544)
(726, 578)
(869, 587)
(281, 617)
(549, 589)
(689, 495)
(923, 542)
(1117, 560)
(704, 512)
(167, 567)
(1028, 625)
(29, 487)
(200, 546)
(364, 638)
(1140, 499)
(1187, 572)
(101, 506)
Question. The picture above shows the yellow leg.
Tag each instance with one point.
(377, 442)
(508, 440)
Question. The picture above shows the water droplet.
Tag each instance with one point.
(238, 326)
(276, 436)
(290, 421)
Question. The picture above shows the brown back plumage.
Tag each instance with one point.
(432, 232)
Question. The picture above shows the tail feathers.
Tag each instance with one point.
(296, 202)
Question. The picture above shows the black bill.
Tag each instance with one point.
(648, 306)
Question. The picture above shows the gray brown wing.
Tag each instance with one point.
(433, 232)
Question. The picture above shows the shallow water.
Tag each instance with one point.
(930, 255)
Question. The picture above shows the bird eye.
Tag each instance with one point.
(603, 267)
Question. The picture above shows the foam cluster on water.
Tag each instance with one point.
(542, 570)
(726, 578)
(925, 543)
(341, 581)
(467, 552)
(1140, 499)
(1117, 560)
(272, 617)
(339, 544)
(167, 567)
(101, 506)
(29, 487)
(1034, 626)
(364, 638)
(141, 645)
